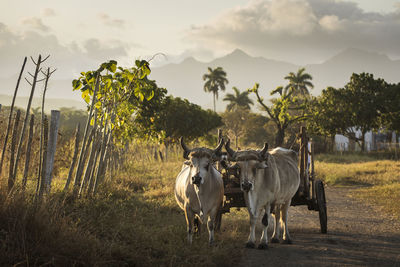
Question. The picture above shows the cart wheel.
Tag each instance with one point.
(321, 202)
(218, 219)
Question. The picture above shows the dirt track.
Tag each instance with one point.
(358, 235)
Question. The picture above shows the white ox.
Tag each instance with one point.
(199, 189)
(269, 180)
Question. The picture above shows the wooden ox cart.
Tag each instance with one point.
(311, 191)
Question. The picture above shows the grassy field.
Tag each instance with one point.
(377, 181)
(135, 221)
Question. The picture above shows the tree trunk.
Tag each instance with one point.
(44, 160)
(214, 101)
(27, 116)
(10, 115)
(71, 169)
(28, 152)
(77, 181)
(333, 143)
(363, 141)
(11, 177)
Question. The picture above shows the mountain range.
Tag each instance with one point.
(243, 70)
(185, 79)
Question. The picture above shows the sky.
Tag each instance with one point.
(79, 35)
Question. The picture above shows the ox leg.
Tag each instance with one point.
(252, 236)
(211, 225)
(189, 215)
(264, 237)
(275, 235)
(284, 214)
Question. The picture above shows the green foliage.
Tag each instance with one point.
(285, 110)
(299, 83)
(360, 105)
(116, 88)
(390, 107)
(239, 99)
(179, 117)
(215, 81)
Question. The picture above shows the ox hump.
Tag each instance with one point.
(285, 152)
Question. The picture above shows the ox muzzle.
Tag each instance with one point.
(246, 186)
(196, 180)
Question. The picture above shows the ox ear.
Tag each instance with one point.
(264, 152)
(186, 150)
(228, 148)
(262, 165)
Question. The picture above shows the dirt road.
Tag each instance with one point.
(358, 235)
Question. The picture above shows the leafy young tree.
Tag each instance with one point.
(299, 82)
(239, 99)
(215, 81)
(283, 112)
(117, 86)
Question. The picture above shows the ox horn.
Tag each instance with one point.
(230, 151)
(263, 152)
(217, 150)
(186, 150)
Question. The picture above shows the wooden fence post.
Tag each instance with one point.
(71, 169)
(51, 147)
(10, 115)
(28, 152)
(11, 178)
(79, 169)
(44, 159)
(27, 115)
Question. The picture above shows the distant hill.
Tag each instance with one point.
(243, 70)
(185, 79)
(50, 103)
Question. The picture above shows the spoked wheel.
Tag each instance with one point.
(321, 202)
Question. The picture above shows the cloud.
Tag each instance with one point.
(48, 12)
(35, 24)
(97, 50)
(108, 21)
(299, 30)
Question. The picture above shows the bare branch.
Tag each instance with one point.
(31, 74)
(34, 62)
(44, 59)
(157, 54)
(28, 81)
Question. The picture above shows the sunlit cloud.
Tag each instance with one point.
(299, 30)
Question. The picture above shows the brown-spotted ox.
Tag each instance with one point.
(269, 180)
(199, 189)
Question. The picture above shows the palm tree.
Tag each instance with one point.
(215, 81)
(238, 100)
(299, 83)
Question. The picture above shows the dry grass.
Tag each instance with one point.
(376, 181)
(133, 221)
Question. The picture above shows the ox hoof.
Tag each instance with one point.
(263, 246)
(274, 240)
(250, 245)
(287, 241)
